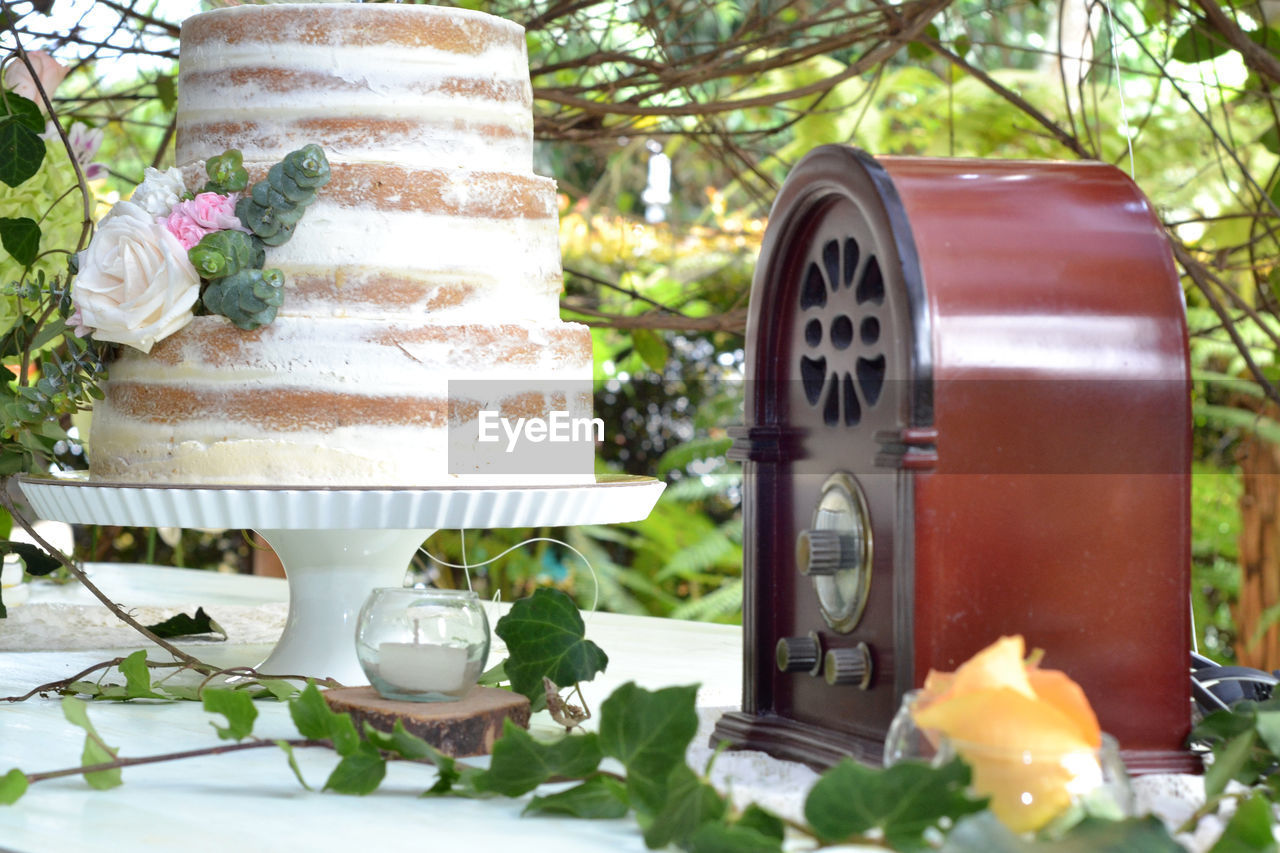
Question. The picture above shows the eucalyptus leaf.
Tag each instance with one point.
(902, 801)
(521, 763)
(545, 636)
(359, 772)
(690, 803)
(648, 731)
(21, 151)
(21, 239)
(12, 786)
(598, 798)
(237, 707)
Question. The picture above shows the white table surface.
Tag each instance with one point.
(251, 801)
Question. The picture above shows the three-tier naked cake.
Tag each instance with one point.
(432, 255)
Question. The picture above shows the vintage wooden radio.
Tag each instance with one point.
(967, 416)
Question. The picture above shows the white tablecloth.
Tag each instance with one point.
(250, 801)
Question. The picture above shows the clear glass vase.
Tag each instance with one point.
(422, 645)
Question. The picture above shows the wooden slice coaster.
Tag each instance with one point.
(466, 727)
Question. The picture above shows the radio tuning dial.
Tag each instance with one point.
(835, 552)
(798, 654)
(848, 666)
(825, 552)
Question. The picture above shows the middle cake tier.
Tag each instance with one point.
(383, 240)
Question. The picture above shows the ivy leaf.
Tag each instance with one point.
(651, 348)
(545, 636)
(21, 151)
(167, 91)
(293, 762)
(34, 559)
(494, 675)
(902, 801)
(1229, 760)
(1268, 725)
(359, 772)
(983, 833)
(690, 803)
(761, 821)
(182, 625)
(236, 707)
(714, 837)
(12, 786)
(401, 742)
(598, 798)
(317, 721)
(520, 763)
(137, 677)
(21, 239)
(310, 713)
(23, 110)
(648, 731)
(1249, 830)
(279, 689)
(96, 750)
(1197, 45)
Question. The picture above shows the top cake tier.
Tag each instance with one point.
(414, 85)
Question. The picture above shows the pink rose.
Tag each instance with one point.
(17, 77)
(191, 220)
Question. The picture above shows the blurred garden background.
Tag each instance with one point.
(669, 126)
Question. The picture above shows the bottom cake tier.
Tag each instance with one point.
(349, 402)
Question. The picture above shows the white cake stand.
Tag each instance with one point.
(337, 545)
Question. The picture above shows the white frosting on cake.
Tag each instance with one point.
(432, 255)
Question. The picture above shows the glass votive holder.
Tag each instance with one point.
(422, 645)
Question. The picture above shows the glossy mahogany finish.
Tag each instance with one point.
(1017, 420)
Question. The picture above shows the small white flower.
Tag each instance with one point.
(136, 285)
(159, 191)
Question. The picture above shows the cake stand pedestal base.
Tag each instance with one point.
(463, 728)
(330, 574)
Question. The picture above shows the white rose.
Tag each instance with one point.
(136, 285)
(159, 191)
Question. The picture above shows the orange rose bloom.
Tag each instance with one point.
(1029, 734)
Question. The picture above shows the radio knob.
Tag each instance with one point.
(825, 552)
(798, 654)
(848, 666)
